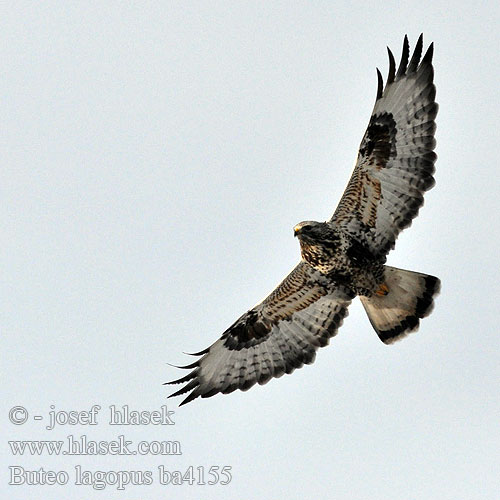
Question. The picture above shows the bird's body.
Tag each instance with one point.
(345, 256)
(339, 256)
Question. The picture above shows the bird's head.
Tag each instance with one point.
(311, 231)
(318, 242)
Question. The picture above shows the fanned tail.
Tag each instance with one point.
(408, 298)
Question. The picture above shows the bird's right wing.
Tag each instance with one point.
(278, 335)
(396, 158)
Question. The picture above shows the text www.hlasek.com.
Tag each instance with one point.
(85, 446)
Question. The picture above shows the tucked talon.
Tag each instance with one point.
(383, 290)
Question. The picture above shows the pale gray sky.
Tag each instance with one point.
(155, 157)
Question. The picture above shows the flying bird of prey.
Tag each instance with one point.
(344, 256)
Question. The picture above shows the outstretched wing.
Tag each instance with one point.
(395, 162)
(278, 335)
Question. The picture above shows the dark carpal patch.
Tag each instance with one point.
(379, 142)
(248, 331)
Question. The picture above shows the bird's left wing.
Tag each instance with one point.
(395, 163)
(278, 335)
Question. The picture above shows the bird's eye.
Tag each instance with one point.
(306, 229)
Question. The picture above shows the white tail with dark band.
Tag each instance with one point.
(410, 298)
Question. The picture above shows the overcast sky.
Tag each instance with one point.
(155, 157)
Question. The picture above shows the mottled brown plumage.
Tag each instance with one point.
(345, 256)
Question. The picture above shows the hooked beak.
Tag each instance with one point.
(296, 231)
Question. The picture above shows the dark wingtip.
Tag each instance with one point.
(186, 378)
(427, 59)
(380, 84)
(185, 367)
(190, 398)
(412, 67)
(404, 58)
(392, 67)
(192, 385)
(197, 353)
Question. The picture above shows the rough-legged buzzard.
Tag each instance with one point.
(344, 256)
